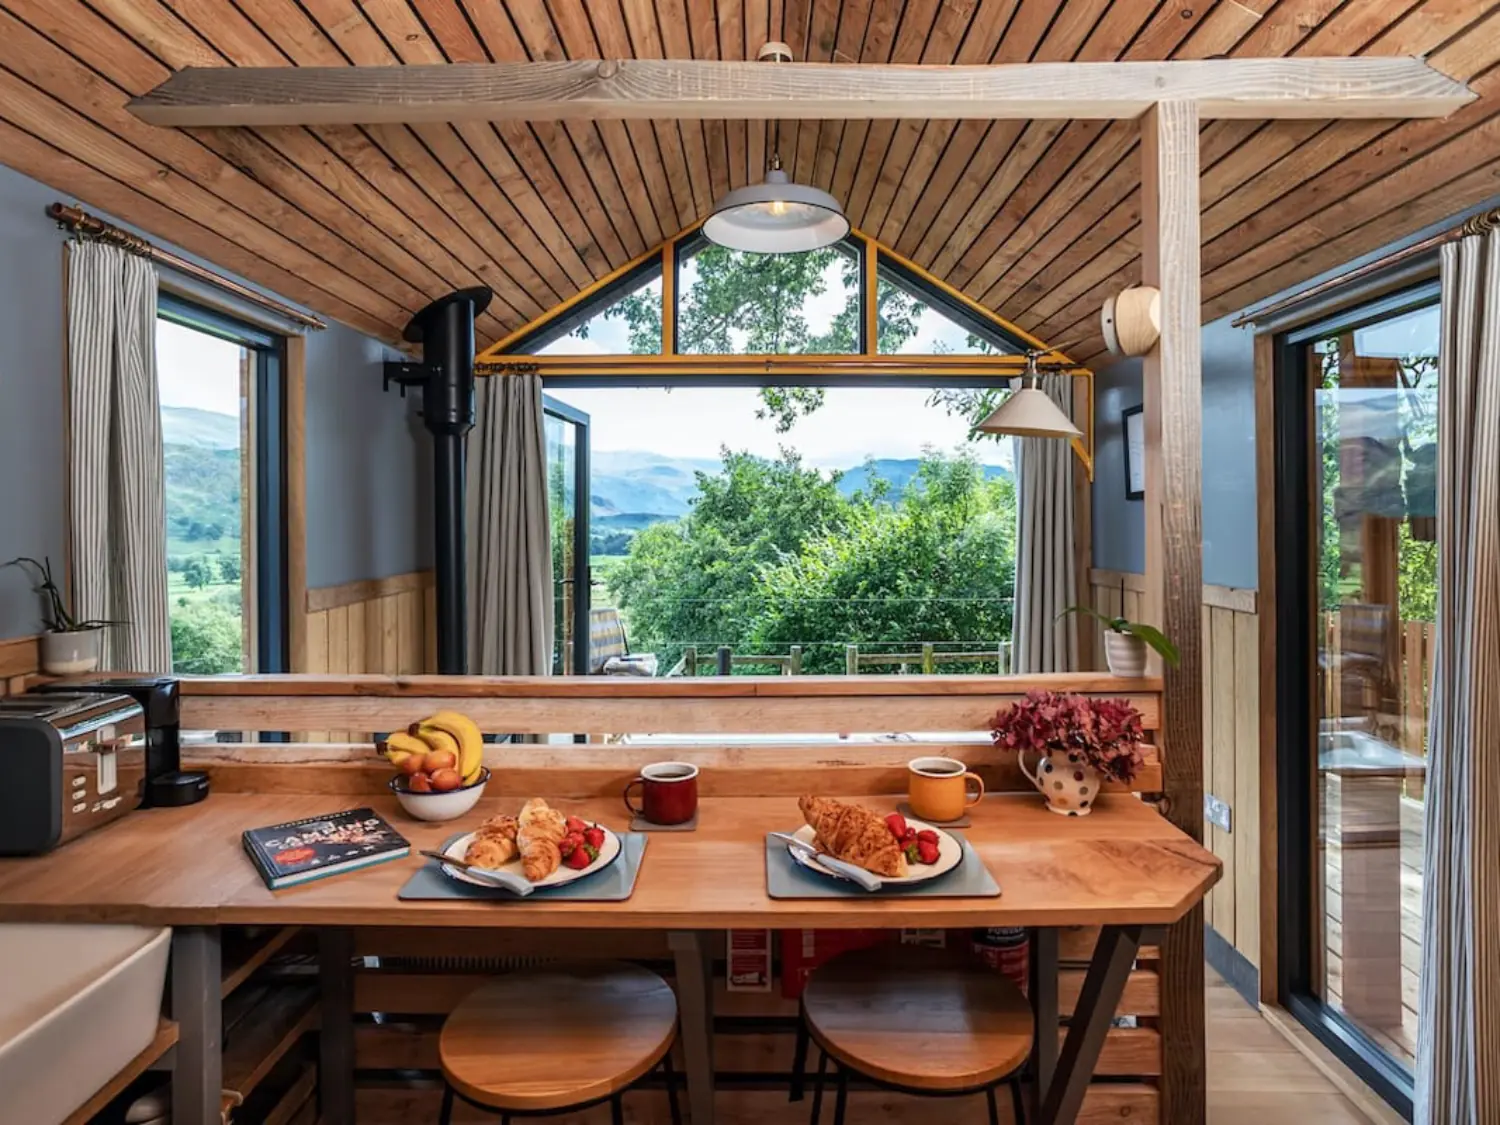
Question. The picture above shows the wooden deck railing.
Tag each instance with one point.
(1396, 694)
(926, 657)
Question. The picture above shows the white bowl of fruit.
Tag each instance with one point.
(439, 766)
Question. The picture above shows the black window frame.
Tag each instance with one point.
(268, 433)
(1298, 916)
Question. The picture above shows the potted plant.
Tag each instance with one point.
(1081, 741)
(1125, 642)
(69, 646)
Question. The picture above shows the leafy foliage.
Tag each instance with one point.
(206, 638)
(773, 555)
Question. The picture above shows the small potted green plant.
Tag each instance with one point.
(69, 646)
(1126, 642)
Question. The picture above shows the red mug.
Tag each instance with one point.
(669, 793)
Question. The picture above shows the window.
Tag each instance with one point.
(912, 322)
(1357, 499)
(629, 325)
(735, 303)
(220, 386)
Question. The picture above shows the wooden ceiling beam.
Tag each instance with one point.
(719, 90)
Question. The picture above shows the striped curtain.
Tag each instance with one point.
(1046, 575)
(1458, 1041)
(117, 492)
(509, 541)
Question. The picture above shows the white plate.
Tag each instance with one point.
(950, 855)
(564, 874)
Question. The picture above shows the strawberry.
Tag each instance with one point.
(910, 837)
(927, 834)
(897, 824)
(594, 837)
(575, 826)
(927, 851)
(570, 843)
(578, 859)
(912, 851)
(592, 851)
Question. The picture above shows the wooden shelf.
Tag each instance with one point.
(243, 960)
(298, 1102)
(260, 1027)
(164, 1040)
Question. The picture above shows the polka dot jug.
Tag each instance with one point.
(1068, 782)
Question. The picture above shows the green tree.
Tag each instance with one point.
(936, 564)
(229, 568)
(198, 571)
(206, 640)
(695, 581)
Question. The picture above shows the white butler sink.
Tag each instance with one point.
(76, 1004)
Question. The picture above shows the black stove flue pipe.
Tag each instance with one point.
(445, 329)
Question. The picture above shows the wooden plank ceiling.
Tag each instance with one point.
(1038, 220)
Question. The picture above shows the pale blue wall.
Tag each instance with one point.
(367, 479)
(1229, 517)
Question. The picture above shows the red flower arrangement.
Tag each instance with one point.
(1105, 733)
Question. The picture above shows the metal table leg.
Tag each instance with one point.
(1044, 1005)
(336, 1034)
(695, 998)
(198, 1069)
(1102, 988)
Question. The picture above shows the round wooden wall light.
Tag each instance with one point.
(1131, 320)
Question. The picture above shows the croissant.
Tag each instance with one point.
(490, 851)
(540, 821)
(540, 858)
(855, 835)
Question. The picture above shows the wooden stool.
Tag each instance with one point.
(561, 1038)
(916, 1020)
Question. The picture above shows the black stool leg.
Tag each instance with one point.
(1018, 1101)
(669, 1072)
(617, 1110)
(841, 1102)
(989, 1096)
(446, 1114)
(817, 1106)
(799, 1064)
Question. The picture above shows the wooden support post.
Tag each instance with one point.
(1174, 554)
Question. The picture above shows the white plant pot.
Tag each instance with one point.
(68, 654)
(1125, 653)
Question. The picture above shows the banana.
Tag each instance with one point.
(435, 738)
(468, 739)
(399, 745)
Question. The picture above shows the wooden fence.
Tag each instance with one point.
(925, 658)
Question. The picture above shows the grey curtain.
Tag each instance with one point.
(509, 546)
(1046, 575)
(1458, 1040)
(117, 492)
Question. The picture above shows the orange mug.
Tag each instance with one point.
(938, 788)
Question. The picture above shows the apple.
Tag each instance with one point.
(440, 760)
(420, 783)
(413, 764)
(444, 780)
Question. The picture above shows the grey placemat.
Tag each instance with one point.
(786, 878)
(614, 884)
(639, 823)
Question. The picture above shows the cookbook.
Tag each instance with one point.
(300, 851)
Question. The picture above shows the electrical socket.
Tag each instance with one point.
(1216, 811)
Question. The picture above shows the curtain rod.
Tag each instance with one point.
(1482, 223)
(80, 222)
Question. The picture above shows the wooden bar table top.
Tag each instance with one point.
(1123, 865)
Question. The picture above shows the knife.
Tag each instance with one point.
(515, 884)
(855, 874)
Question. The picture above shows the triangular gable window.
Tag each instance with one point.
(625, 321)
(915, 319)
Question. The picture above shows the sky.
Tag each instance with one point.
(197, 370)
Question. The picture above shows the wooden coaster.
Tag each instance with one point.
(639, 823)
(962, 822)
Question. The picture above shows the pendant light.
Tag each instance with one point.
(776, 216)
(1030, 411)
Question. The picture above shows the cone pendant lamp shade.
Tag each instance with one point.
(1029, 412)
(776, 217)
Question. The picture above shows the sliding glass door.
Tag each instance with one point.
(1357, 576)
(567, 435)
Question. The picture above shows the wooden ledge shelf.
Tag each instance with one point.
(260, 1027)
(164, 1040)
(244, 957)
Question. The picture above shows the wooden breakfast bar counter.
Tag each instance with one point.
(1125, 868)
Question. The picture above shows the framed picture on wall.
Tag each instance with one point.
(1133, 421)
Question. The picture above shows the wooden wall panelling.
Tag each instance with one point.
(19, 657)
(1245, 834)
(1219, 669)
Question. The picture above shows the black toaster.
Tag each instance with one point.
(70, 763)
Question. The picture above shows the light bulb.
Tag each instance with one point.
(778, 207)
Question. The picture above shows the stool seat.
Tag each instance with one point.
(557, 1037)
(918, 1018)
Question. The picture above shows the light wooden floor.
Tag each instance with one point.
(1256, 1077)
